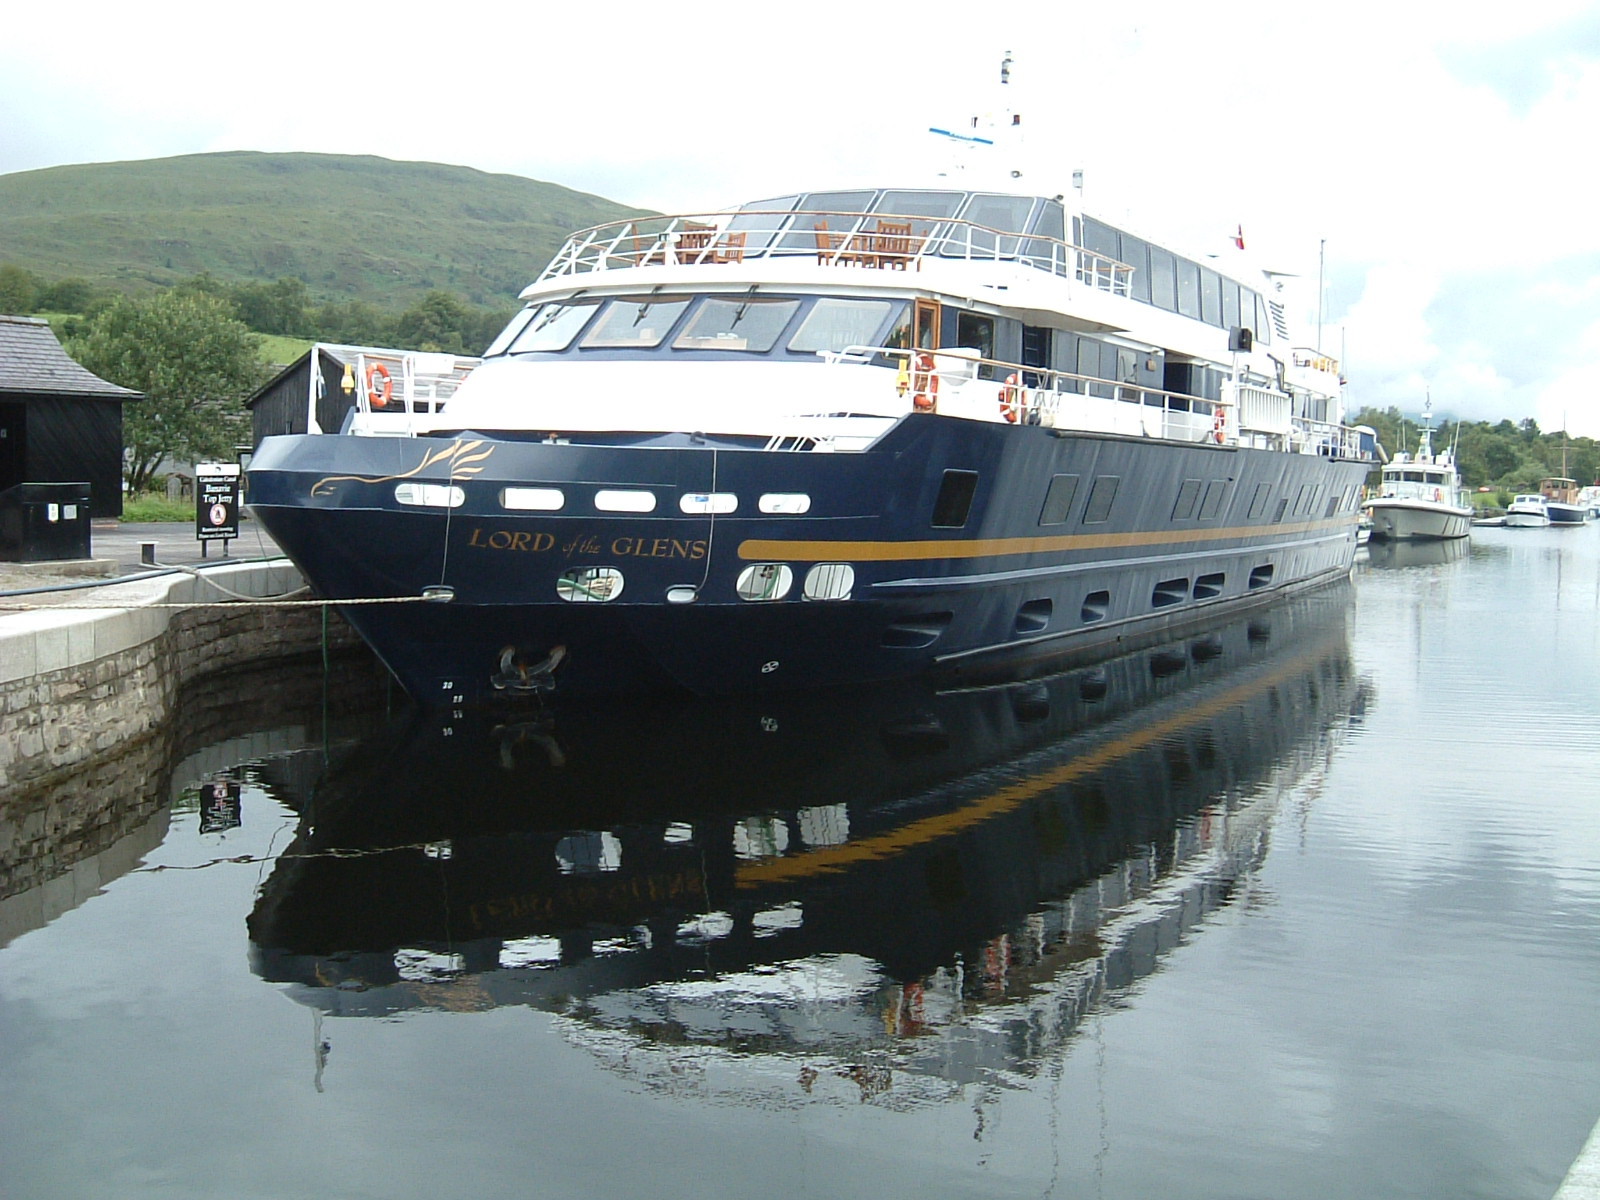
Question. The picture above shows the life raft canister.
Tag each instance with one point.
(380, 387)
(924, 383)
(1012, 398)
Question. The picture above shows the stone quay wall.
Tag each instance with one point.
(77, 684)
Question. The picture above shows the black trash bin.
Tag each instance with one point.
(44, 522)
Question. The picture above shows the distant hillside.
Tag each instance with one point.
(351, 227)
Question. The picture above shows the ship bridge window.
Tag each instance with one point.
(553, 326)
(835, 324)
(629, 322)
(736, 324)
(508, 334)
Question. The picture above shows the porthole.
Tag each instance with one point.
(830, 581)
(429, 495)
(714, 503)
(683, 593)
(618, 500)
(590, 585)
(764, 581)
(786, 503)
(521, 499)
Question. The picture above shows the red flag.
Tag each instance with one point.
(1238, 236)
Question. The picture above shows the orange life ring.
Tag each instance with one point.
(380, 387)
(1011, 398)
(1219, 425)
(924, 383)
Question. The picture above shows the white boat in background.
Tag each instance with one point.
(1561, 501)
(1527, 511)
(1420, 495)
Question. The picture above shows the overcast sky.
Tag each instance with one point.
(1437, 165)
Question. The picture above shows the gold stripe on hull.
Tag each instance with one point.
(765, 550)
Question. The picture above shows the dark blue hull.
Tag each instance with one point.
(968, 545)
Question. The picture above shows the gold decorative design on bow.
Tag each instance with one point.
(464, 459)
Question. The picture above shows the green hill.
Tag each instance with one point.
(351, 227)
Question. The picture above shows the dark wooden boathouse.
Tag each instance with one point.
(320, 389)
(59, 422)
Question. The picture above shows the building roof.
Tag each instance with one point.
(32, 360)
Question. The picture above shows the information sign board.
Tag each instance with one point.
(216, 501)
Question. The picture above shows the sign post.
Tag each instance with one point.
(216, 504)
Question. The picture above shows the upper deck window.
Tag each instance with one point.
(920, 204)
(736, 324)
(553, 327)
(1188, 288)
(1210, 296)
(1163, 279)
(835, 324)
(759, 220)
(1008, 214)
(630, 322)
(833, 211)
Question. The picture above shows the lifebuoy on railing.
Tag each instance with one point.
(380, 387)
(1011, 398)
(924, 383)
(1219, 424)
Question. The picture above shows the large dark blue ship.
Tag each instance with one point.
(824, 438)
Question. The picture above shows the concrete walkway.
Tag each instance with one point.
(122, 551)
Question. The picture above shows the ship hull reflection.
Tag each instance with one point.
(833, 878)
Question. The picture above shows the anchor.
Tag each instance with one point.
(517, 676)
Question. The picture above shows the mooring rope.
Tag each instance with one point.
(11, 602)
(258, 602)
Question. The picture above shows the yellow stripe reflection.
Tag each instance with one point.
(831, 859)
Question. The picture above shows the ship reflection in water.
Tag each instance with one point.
(887, 895)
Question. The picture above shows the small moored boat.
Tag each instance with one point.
(1527, 511)
(1421, 495)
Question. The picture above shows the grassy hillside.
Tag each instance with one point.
(351, 227)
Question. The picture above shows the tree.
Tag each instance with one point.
(439, 321)
(19, 289)
(194, 362)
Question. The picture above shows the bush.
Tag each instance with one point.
(154, 506)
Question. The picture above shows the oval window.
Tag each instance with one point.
(765, 581)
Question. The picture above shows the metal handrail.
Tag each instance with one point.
(767, 234)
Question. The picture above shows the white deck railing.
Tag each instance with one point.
(881, 241)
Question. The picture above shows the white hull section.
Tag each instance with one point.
(1516, 520)
(1401, 520)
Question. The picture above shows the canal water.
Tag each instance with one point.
(1305, 904)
